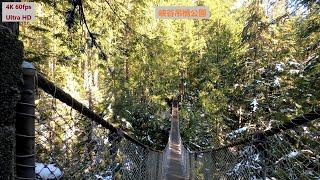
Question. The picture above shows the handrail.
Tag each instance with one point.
(50, 88)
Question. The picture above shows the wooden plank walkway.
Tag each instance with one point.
(174, 167)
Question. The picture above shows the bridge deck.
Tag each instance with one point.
(174, 167)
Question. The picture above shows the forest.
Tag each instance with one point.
(253, 65)
(253, 62)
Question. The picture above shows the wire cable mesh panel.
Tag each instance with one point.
(67, 144)
(290, 154)
(71, 146)
(139, 163)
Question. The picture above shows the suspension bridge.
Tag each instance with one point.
(60, 138)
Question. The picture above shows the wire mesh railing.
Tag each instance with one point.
(67, 143)
(290, 151)
(74, 143)
(186, 161)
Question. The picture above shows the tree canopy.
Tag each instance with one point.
(253, 62)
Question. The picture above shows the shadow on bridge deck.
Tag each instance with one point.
(174, 167)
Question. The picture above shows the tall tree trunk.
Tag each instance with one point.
(11, 54)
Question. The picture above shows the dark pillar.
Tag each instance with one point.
(11, 54)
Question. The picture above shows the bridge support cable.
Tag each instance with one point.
(50, 88)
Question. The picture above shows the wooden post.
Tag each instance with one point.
(25, 125)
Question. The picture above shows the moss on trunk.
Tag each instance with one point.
(11, 54)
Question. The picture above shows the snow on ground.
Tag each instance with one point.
(294, 63)
(294, 71)
(254, 104)
(47, 171)
(270, 124)
(290, 155)
(276, 82)
(234, 134)
(279, 67)
(149, 139)
(104, 178)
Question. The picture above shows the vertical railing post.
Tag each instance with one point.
(25, 125)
